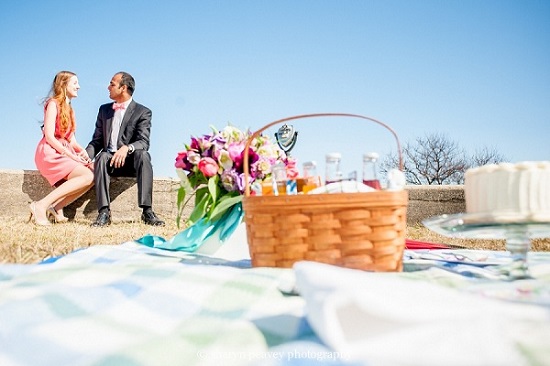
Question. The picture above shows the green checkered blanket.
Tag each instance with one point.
(133, 305)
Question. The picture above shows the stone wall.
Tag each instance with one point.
(21, 187)
(428, 201)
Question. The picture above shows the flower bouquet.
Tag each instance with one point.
(210, 169)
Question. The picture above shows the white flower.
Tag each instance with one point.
(193, 157)
(224, 160)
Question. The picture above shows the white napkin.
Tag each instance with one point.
(384, 319)
(346, 186)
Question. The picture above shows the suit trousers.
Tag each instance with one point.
(136, 165)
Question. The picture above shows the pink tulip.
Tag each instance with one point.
(208, 167)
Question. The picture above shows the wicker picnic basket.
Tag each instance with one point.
(355, 230)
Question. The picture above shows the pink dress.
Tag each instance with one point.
(52, 165)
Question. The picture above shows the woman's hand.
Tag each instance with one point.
(83, 157)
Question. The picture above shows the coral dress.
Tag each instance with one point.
(52, 165)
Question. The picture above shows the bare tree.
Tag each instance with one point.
(431, 160)
(435, 159)
(486, 156)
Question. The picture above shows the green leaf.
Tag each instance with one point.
(184, 179)
(200, 193)
(215, 131)
(181, 199)
(181, 195)
(223, 205)
(213, 187)
(200, 209)
(214, 191)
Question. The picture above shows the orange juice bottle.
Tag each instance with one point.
(311, 179)
(278, 175)
(267, 188)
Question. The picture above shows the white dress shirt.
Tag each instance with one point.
(117, 121)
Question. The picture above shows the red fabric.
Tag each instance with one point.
(415, 244)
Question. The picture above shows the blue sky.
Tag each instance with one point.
(475, 71)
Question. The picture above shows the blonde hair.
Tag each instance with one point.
(58, 93)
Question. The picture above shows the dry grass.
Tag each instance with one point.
(22, 242)
(421, 233)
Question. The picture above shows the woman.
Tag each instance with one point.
(59, 157)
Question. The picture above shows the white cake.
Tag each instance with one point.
(509, 192)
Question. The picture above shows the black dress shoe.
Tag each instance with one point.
(103, 219)
(150, 218)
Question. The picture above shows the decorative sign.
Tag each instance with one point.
(286, 137)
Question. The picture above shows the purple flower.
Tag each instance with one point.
(235, 149)
(182, 162)
(252, 158)
(195, 145)
(240, 183)
(229, 180)
(219, 141)
(219, 157)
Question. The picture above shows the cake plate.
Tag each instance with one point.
(517, 232)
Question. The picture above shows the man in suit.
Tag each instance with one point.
(120, 145)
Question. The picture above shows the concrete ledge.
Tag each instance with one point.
(21, 187)
(428, 201)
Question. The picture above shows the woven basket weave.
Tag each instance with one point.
(355, 230)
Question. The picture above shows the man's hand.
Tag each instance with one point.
(119, 157)
(83, 156)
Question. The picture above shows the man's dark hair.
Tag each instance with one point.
(128, 80)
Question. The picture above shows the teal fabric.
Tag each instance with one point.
(190, 239)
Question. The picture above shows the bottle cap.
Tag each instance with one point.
(334, 156)
(370, 156)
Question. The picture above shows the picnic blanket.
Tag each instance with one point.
(130, 304)
(390, 320)
(134, 306)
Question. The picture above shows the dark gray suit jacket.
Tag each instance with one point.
(135, 128)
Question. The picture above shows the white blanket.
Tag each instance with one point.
(386, 319)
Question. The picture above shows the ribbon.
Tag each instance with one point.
(190, 239)
(119, 106)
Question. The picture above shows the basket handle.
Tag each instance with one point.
(258, 132)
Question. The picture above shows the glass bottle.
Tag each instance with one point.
(352, 176)
(332, 167)
(278, 177)
(369, 170)
(311, 179)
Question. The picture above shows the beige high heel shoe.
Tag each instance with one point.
(35, 219)
(57, 217)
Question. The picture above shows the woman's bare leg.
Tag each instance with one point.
(59, 205)
(78, 182)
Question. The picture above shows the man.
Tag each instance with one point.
(119, 144)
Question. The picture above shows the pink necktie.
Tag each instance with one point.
(119, 106)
